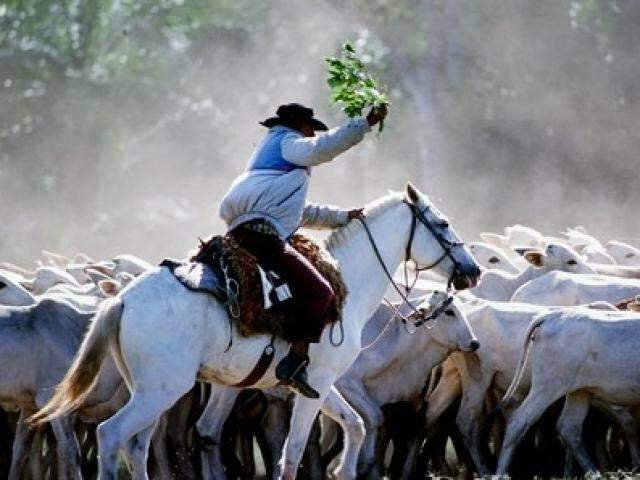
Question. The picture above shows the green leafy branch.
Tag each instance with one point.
(351, 86)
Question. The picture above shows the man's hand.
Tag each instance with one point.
(377, 114)
(355, 213)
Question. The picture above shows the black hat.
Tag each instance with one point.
(291, 115)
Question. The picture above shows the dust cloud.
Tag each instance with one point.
(503, 112)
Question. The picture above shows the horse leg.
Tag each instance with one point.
(136, 452)
(358, 398)
(21, 444)
(337, 408)
(139, 414)
(68, 448)
(303, 415)
(209, 428)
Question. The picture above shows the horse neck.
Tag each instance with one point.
(360, 267)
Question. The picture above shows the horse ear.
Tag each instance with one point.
(412, 193)
(201, 242)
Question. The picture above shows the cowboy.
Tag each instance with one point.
(267, 204)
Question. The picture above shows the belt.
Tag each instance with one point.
(259, 226)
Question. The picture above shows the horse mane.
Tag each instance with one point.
(372, 210)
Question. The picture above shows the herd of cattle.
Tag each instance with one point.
(532, 372)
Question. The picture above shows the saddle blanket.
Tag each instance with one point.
(254, 291)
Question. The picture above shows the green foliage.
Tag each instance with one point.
(351, 86)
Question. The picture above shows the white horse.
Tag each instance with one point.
(165, 337)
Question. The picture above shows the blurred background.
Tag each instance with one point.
(123, 122)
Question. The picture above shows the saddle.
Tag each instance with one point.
(223, 268)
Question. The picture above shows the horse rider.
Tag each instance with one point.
(267, 204)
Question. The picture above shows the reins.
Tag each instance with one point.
(447, 246)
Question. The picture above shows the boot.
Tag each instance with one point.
(292, 372)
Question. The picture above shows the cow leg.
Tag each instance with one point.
(37, 465)
(159, 446)
(245, 448)
(179, 417)
(312, 458)
(21, 445)
(576, 407)
(627, 423)
(356, 395)
(337, 408)
(448, 389)
(209, 428)
(275, 429)
(523, 418)
(470, 419)
(68, 448)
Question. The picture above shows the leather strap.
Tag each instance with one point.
(260, 368)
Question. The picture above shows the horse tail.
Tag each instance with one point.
(83, 373)
(528, 338)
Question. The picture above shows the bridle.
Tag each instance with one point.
(447, 245)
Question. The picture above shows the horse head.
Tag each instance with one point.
(433, 244)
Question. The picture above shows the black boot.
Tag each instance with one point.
(292, 372)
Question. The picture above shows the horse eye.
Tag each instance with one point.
(494, 260)
(450, 313)
(572, 262)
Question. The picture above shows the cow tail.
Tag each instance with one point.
(535, 323)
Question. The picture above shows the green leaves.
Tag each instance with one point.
(351, 86)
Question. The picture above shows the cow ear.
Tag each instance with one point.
(534, 258)
(495, 239)
(579, 248)
(412, 193)
(96, 275)
(109, 288)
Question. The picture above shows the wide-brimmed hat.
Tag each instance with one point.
(293, 114)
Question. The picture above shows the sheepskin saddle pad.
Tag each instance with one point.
(222, 268)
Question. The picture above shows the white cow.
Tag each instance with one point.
(577, 343)
(566, 288)
(623, 253)
(501, 329)
(515, 236)
(492, 257)
(47, 277)
(396, 367)
(589, 246)
(12, 293)
(501, 286)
